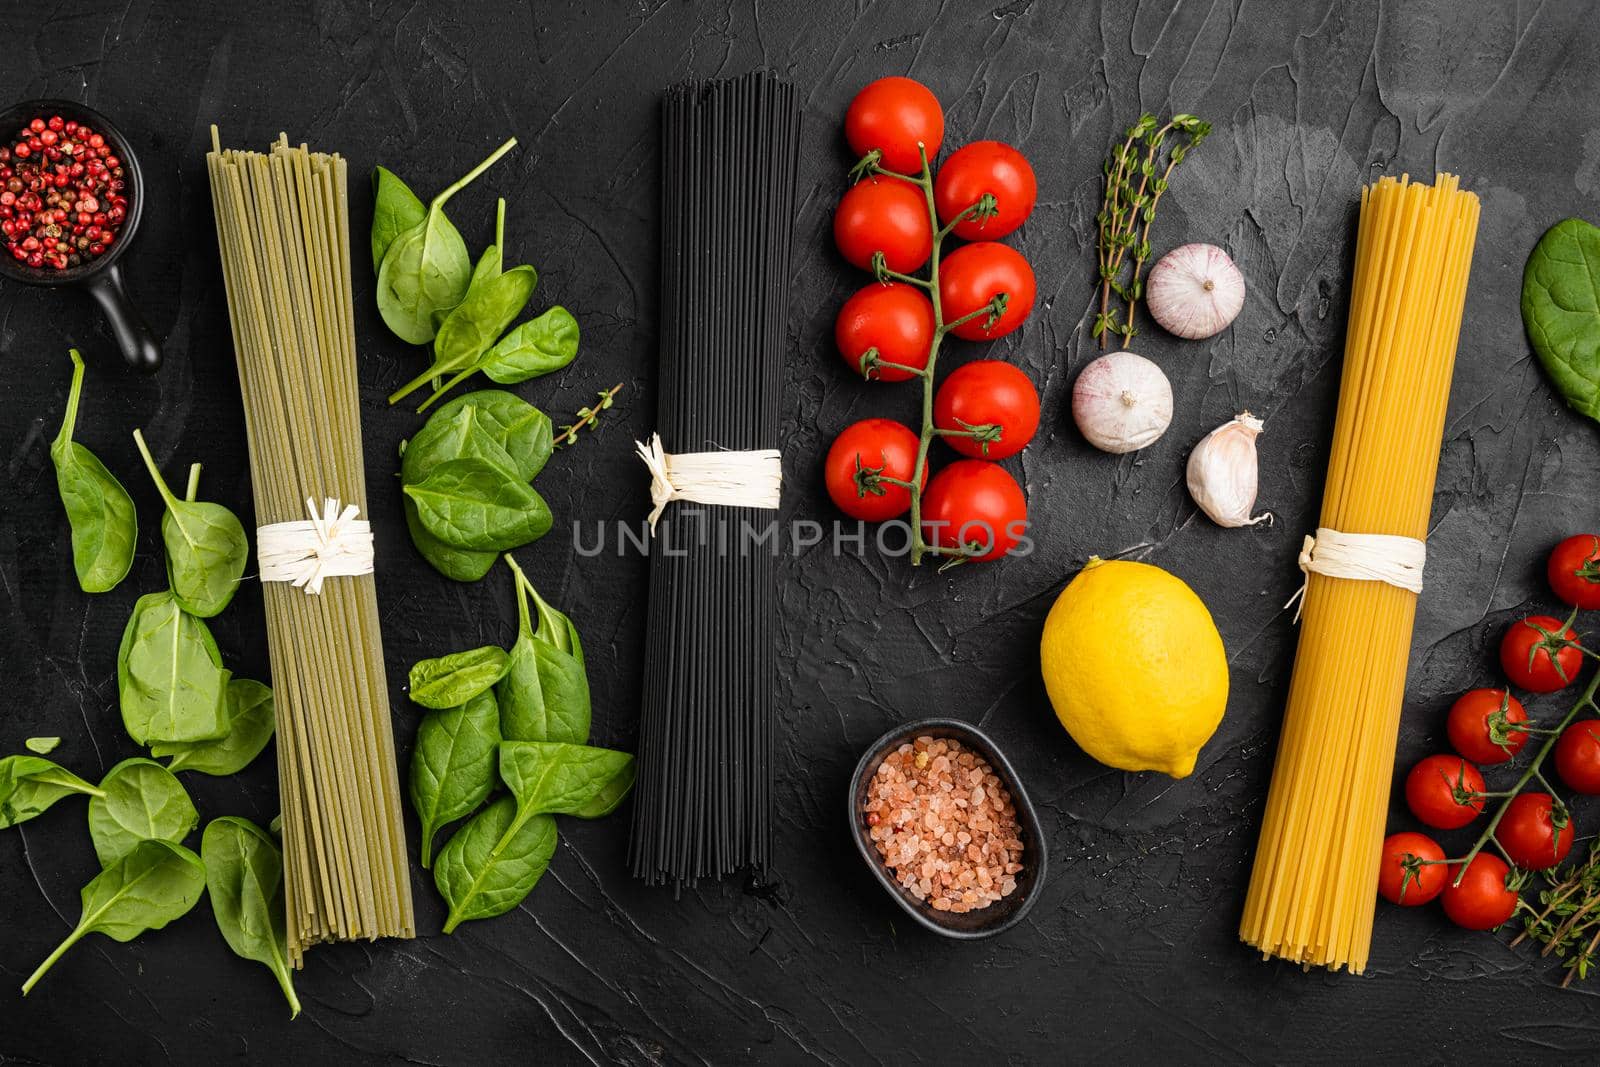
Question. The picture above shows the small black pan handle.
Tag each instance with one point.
(139, 348)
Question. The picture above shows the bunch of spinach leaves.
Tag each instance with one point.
(465, 478)
(429, 291)
(176, 697)
(522, 722)
(139, 817)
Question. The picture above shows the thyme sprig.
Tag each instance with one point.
(588, 416)
(1137, 173)
(1567, 919)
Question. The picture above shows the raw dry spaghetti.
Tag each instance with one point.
(1313, 889)
(703, 805)
(283, 229)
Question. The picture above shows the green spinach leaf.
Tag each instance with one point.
(545, 693)
(550, 778)
(472, 503)
(142, 801)
(450, 681)
(492, 262)
(493, 862)
(42, 745)
(244, 875)
(206, 547)
(1561, 310)
(453, 765)
(425, 271)
(472, 327)
(395, 210)
(153, 885)
(520, 429)
(459, 564)
(168, 682)
(29, 785)
(251, 722)
(537, 347)
(100, 512)
(463, 436)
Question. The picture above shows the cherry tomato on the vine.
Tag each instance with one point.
(896, 319)
(974, 503)
(972, 276)
(988, 392)
(1480, 725)
(991, 167)
(1483, 900)
(892, 115)
(1438, 792)
(1578, 756)
(884, 215)
(1537, 653)
(880, 446)
(1406, 877)
(1529, 832)
(1574, 571)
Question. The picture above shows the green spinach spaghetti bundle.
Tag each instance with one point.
(283, 230)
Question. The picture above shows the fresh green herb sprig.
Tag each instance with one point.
(1137, 173)
(587, 417)
(1567, 919)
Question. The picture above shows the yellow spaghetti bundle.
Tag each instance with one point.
(1313, 888)
(283, 229)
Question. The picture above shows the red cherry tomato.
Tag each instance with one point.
(1404, 878)
(974, 503)
(1529, 834)
(1535, 654)
(1574, 571)
(1578, 756)
(892, 115)
(896, 319)
(1482, 901)
(884, 215)
(972, 276)
(1479, 725)
(988, 392)
(1436, 788)
(985, 167)
(880, 445)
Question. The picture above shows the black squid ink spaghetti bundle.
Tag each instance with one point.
(703, 803)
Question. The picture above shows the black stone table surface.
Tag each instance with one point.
(1132, 953)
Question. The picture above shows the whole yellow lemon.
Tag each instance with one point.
(1135, 667)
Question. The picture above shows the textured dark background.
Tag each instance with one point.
(1133, 947)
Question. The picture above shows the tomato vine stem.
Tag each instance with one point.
(1586, 700)
(923, 180)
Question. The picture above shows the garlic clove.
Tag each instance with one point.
(1195, 291)
(1223, 472)
(1122, 402)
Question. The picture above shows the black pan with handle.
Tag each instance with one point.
(100, 277)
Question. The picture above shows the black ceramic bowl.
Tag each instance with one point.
(1003, 914)
(101, 278)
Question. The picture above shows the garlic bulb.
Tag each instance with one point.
(1194, 291)
(1222, 472)
(1122, 402)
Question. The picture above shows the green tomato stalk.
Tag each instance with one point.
(872, 479)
